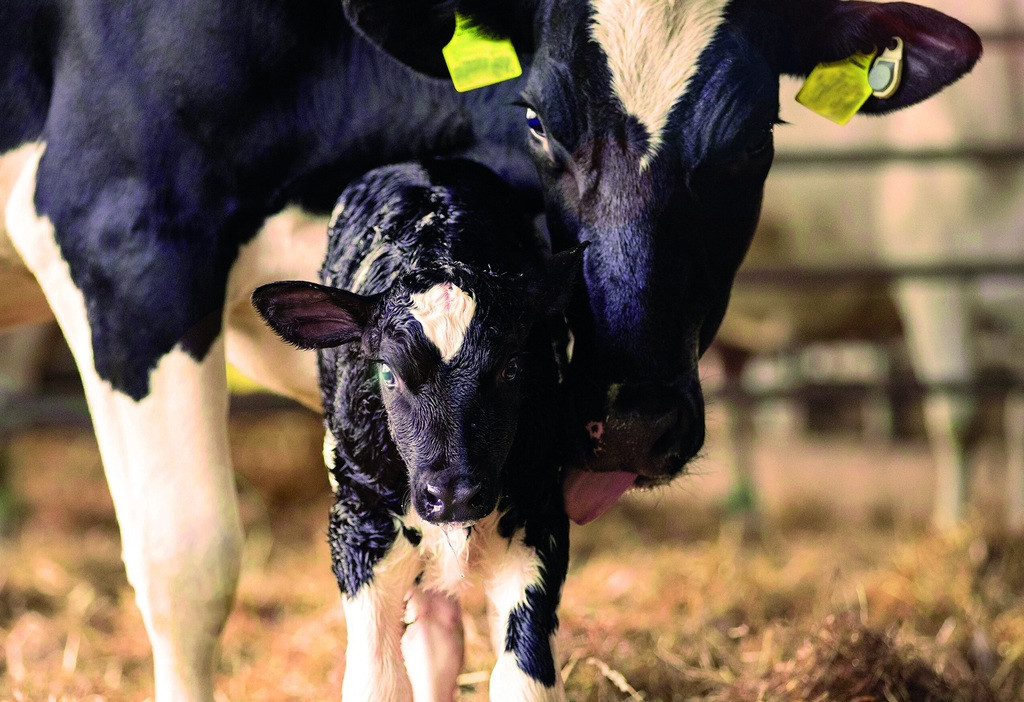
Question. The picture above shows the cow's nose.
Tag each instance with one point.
(653, 430)
(453, 501)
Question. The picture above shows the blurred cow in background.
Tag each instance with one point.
(942, 211)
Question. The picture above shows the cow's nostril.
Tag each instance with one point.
(435, 497)
(665, 423)
(465, 495)
(668, 443)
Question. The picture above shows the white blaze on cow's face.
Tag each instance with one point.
(652, 48)
(445, 313)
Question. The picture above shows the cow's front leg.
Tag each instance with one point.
(524, 589)
(158, 401)
(376, 567)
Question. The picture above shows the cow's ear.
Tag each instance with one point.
(412, 31)
(415, 31)
(313, 316)
(938, 49)
(559, 279)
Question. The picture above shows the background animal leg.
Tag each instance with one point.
(433, 645)
(289, 246)
(20, 369)
(1014, 439)
(739, 413)
(937, 325)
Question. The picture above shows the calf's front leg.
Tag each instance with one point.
(524, 589)
(376, 567)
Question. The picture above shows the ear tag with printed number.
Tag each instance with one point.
(837, 90)
(475, 60)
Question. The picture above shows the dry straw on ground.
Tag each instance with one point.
(664, 601)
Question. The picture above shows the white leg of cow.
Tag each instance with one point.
(166, 461)
(946, 417)
(1015, 460)
(742, 498)
(433, 645)
(937, 324)
(739, 417)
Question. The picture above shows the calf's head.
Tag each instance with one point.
(452, 357)
(650, 123)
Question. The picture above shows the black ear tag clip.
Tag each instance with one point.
(887, 71)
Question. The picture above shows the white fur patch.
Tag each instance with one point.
(373, 656)
(336, 213)
(652, 48)
(330, 443)
(445, 312)
(365, 266)
(510, 684)
(446, 552)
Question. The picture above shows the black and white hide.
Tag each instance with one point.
(439, 385)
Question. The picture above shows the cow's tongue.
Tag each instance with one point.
(588, 495)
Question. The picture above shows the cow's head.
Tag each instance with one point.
(651, 122)
(454, 354)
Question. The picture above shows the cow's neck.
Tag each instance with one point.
(370, 110)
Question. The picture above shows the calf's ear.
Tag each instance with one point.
(559, 279)
(415, 31)
(938, 50)
(313, 316)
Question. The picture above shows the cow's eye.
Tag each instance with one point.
(535, 125)
(760, 141)
(388, 379)
(511, 370)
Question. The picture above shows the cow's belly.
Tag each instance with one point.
(290, 246)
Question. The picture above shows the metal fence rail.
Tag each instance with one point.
(988, 154)
(819, 276)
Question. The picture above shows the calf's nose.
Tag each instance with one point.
(452, 501)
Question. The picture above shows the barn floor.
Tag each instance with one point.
(842, 594)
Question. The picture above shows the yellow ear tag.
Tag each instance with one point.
(476, 61)
(836, 91)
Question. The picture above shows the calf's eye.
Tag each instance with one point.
(535, 125)
(388, 379)
(511, 371)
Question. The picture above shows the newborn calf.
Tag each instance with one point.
(439, 388)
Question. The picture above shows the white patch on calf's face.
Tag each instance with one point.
(445, 313)
(652, 48)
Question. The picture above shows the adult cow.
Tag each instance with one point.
(161, 135)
